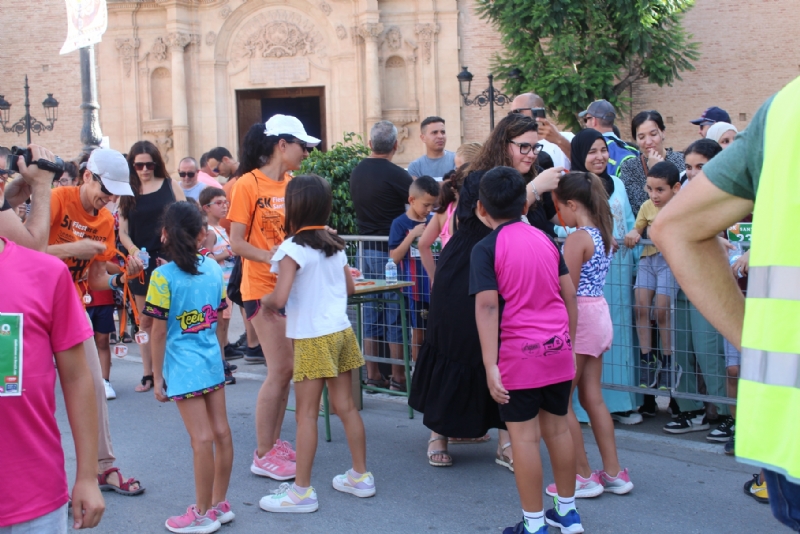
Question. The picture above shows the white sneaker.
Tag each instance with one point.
(110, 393)
(364, 486)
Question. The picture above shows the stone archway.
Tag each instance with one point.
(278, 46)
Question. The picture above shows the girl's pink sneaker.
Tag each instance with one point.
(620, 484)
(193, 523)
(223, 511)
(287, 448)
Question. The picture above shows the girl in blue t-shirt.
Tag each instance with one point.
(582, 203)
(314, 282)
(185, 297)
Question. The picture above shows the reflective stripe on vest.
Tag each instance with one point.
(771, 368)
(774, 282)
(769, 389)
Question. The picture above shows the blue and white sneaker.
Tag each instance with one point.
(569, 524)
(519, 528)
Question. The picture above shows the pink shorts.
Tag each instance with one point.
(595, 331)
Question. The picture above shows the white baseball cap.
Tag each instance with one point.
(112, 168)
(288, 125)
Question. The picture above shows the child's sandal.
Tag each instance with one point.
(124, 487)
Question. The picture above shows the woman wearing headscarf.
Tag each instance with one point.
(723, 133)
(590, 154)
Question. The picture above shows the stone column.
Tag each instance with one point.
(371, 32)
(180, 114)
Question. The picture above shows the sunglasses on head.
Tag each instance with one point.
(149, 165)
(102, 187)
(185, 174)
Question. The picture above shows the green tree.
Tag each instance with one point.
(335, 165)
(572, 52)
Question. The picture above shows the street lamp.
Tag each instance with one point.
(489, 96)
(28, 123)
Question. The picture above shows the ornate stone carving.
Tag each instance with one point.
(127, 50)
(427, 34)
(211, 38)
(279, 34)
(403, 133)
(341, 32)
(225, 11)
(370, 31)
(394, 39)
(159, 49)
(179, 40)
(325, 7)
(164, 144)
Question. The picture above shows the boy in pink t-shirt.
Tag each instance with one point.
(40, 317)
(526, 312)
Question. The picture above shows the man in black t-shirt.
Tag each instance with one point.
(379, 190)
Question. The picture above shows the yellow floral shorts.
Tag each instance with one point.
(326, 356)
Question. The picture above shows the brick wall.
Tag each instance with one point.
(748, 52)
(29, 43)
(479, 44)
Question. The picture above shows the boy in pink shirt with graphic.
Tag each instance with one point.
(526, 311)
(40, 318)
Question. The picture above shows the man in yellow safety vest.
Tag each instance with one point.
(759, 172)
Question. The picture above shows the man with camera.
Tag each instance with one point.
(35, 182)
(40, 317)
(553, 142)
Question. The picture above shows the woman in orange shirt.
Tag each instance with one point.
(269, 153)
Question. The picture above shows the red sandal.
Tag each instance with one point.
(123, 488)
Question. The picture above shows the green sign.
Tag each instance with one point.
(10, 354)
(740, 232)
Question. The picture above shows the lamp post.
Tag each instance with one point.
(489, 96)
(28, 123)
(91, 135)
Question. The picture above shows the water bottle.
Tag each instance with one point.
(391, 272)
(734, 254)
(145, 257)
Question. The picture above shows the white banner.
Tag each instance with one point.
(87, 20)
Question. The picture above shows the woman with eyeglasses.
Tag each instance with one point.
(647, 129)
(270, 152)
(140, 224)
(449, 383)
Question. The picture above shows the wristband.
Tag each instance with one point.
(111, 283)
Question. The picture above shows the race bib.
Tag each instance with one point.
(740, 232)
(10, 354)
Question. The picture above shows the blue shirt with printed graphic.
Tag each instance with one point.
(189, 304)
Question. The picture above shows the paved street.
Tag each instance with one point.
(683, 484)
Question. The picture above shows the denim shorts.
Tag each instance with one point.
(654, 274)
(53, 523)
(380, 318)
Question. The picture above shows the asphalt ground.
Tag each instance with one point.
(683, 484)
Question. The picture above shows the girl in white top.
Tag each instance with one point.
(314, 282)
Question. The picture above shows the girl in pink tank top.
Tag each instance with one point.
(442, 225)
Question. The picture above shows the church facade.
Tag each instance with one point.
(193, 74)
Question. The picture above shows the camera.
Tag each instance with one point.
(538, 113)
(56, 167)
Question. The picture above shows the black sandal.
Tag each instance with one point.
(397, 386)
(144, 381)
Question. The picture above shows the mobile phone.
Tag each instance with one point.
(538, 113)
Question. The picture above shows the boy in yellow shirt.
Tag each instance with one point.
(654, 279)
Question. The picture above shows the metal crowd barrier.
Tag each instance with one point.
(694, 375)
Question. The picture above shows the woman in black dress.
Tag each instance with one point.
(449, 384)
(140, 223)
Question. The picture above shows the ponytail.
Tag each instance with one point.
(183, 223)
(587, 189)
